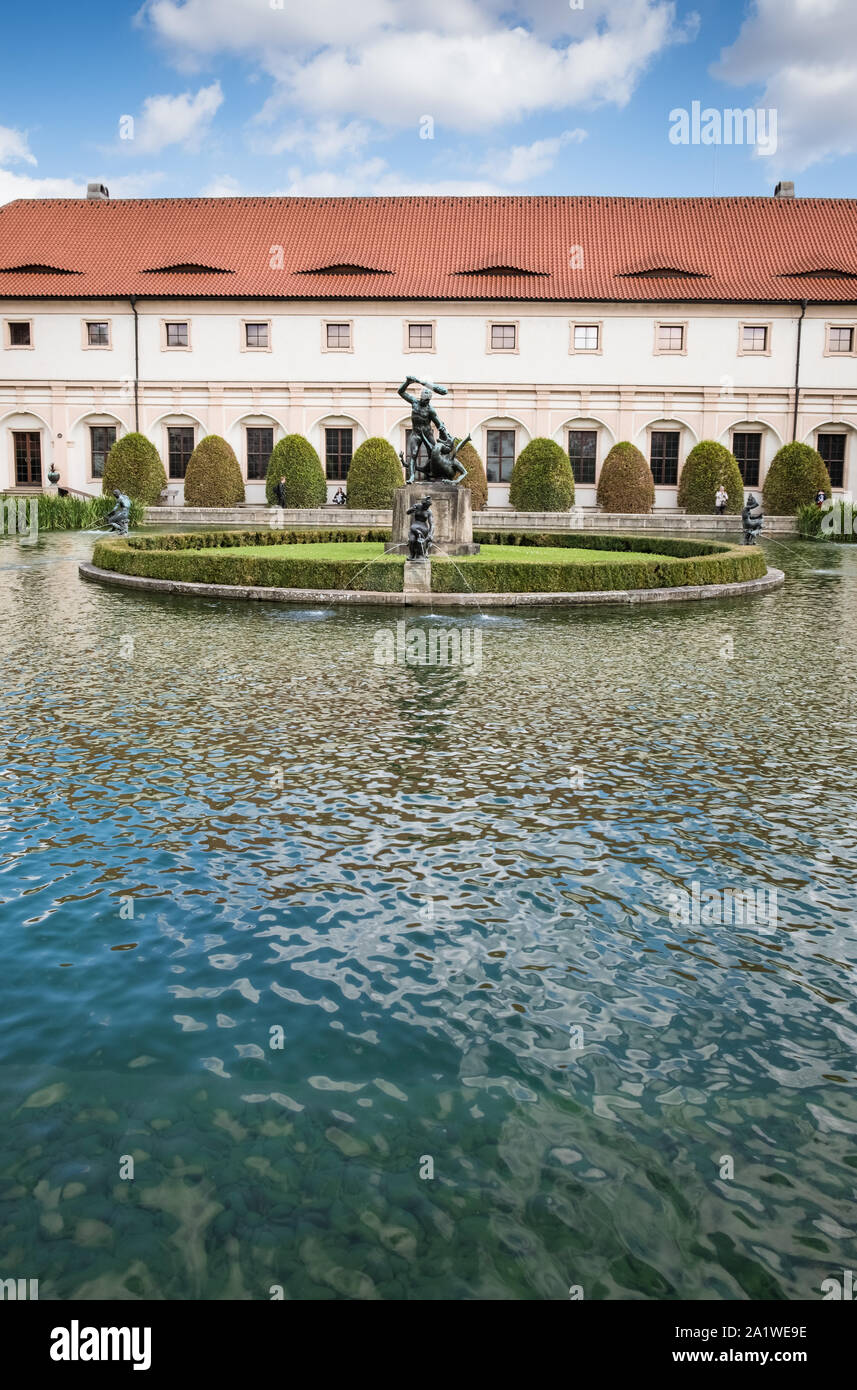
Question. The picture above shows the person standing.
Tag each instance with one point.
(721, 497)
(280, 492)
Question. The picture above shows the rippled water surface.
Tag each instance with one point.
(450, 891)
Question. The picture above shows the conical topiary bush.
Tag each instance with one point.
(296, 460)
(476, 479)
(797, 473)
(374, 474)
(625, 483)
(134, 466)
(542, 480)
(707, 466)
(213, 477)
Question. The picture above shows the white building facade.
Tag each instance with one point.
(77, 373)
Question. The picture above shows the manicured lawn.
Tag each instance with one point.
(497, 554)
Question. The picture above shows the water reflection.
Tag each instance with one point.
(451, 894)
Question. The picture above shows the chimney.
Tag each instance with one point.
(785, 189)
(97, 193)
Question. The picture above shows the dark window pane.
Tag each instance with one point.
(581, 451)
(19, 334)
(503, 336)
(747, 449)
(28, 458)
(841, 339)
(664, 457)
(337, 453)
(177, 335)
(260, 446)
(501, 455)
(832, 450)
(180, 448)
(102, 438)
(339, 335)
(98, 334)
(257, 335)
(419, 335)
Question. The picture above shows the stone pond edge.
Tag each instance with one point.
(679, 593)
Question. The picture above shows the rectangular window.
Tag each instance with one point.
(19, 335)
(586, 337)
(670, 337)
(503, 337)
(747, 449)
(179, 448)
(260, 446)
(256, 335)
(840, 339)
(664, 457)
(754, 339)
(581, 451)
(339, 335)
(177, 337)
(832, 450)
(98, 334)
(101, 441)
(28, 458)
(338, 448)
(420, 335)
(501, 455)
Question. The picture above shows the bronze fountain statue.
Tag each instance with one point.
(444, 465)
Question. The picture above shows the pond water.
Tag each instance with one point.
(378, 972)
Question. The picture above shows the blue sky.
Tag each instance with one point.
(457, 96)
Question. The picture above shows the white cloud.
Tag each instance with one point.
(471, 66)
(326, 142)
(14, 147)
(180, 120)
(522, 163)
(372, 178)
(224, 186)
(803, 54)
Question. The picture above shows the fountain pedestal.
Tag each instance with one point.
(452, 511)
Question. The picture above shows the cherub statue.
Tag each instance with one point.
(117, 520)
(421, 533)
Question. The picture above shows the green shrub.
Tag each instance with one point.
(222, 558)
(213, 477)
(542, 480)
(73, 513)
(134, 466)
(625, 483)
(295, 459)
(374, 474)
(835, 522)
(484, 575)
(795, 476)
(707, 466)
(476, 479)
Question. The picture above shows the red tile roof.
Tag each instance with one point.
(736, 249)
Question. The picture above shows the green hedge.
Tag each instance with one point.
(542, 480)
(625, 483)
(177, 557)
(134, 466)
(75, 513)
(795, 476)
(476, 479)
(374, 474)
(295, 459)
(487, 577)
(707, 466)
(213, 477)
